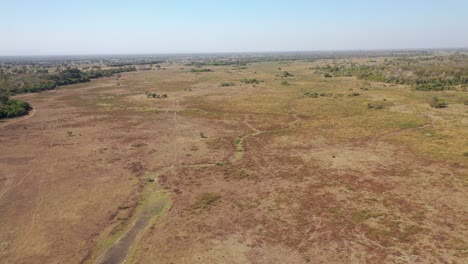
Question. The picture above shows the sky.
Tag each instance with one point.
(48, 27)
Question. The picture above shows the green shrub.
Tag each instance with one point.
(435, 102)
(430, 87)
(284, 83)
(376, 78)
(200, 70)
(287, 74)
(312, 95)
(250, 81)
(12, 107)
(375, 105)
(227, 84)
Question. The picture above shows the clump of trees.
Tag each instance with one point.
(43, 80)
(316, 95)
(435, 73)
(130, 62)
(436, 86)
(250, 81)
(13, 107)
(154, 95)
(200, 70)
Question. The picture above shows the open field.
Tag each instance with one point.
(254, 172)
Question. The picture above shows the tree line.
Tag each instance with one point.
(42, 81)
(425, 74)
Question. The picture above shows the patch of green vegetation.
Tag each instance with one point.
(316, 95)
(376, 78)
(374, 105)
(362, 215)
(13, 107)
(287, 74)
(227, 84)
(43, 81)
(154, 95)
(436, 102)
(250, 81)
(239, 149)
(284, 83)
(436, 86)
(435, 73)
(311, 94)
(200, 70)
(409, 124)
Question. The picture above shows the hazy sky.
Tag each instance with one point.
(173, 26)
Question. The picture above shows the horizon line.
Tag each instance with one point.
(238, 52)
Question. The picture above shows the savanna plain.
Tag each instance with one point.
(325, 160)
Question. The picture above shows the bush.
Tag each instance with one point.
(435, 102)
(227, 84)
(284, 83)
(327, 75)
(200, 70)
(287, 74)
(250, 80)
(374, 105)
(12, 107)
(430, 87)
(312, 95)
